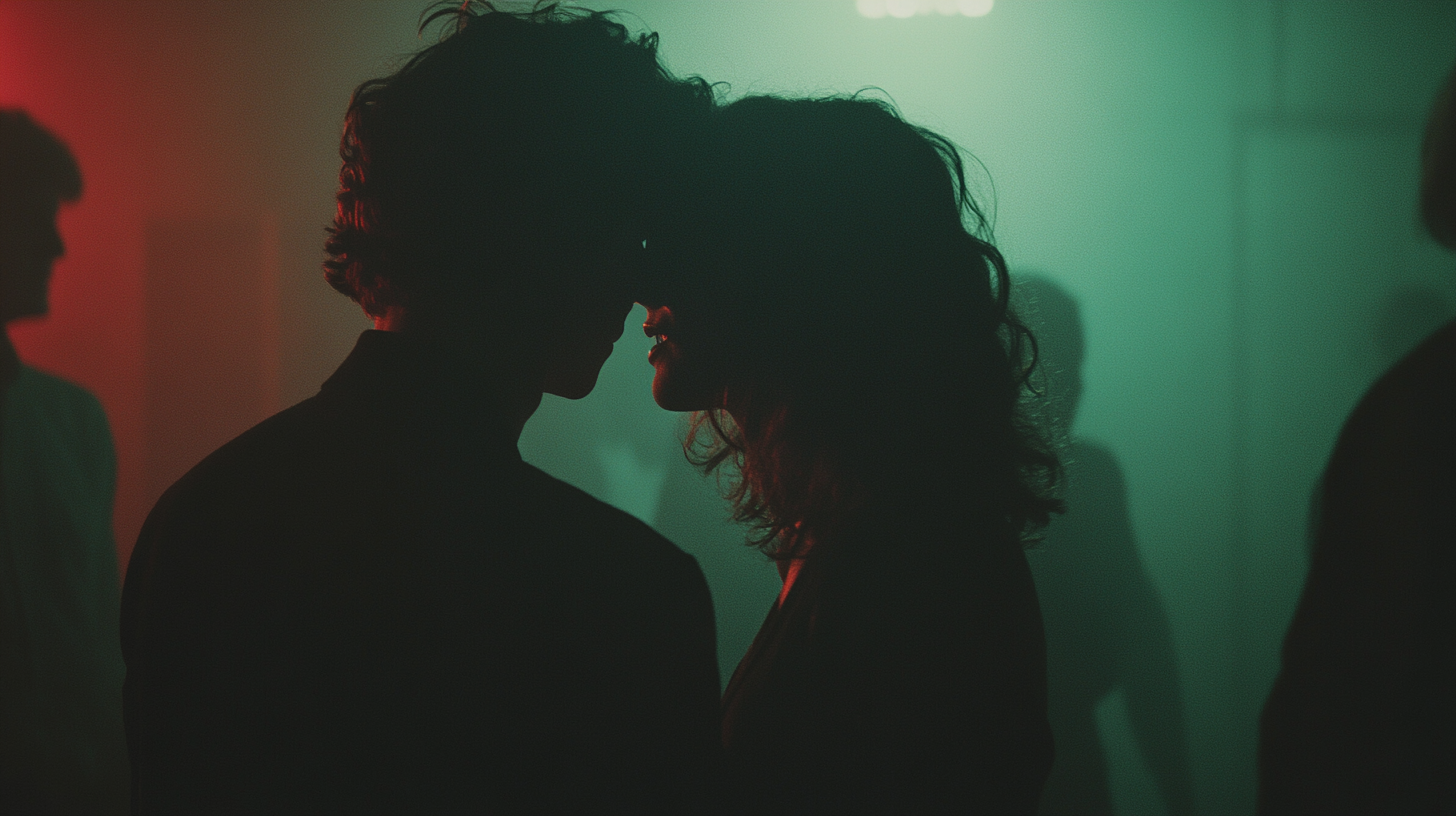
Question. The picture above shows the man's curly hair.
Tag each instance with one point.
(479, 154)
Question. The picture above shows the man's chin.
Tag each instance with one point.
(572, 388)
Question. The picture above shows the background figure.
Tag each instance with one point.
(61, 745)
(1362, 718)
(1106, 627)
(1409, 314)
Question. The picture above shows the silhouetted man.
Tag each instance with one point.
(369, 602)
(61, 747)
(1106, 625)
(1362, 718)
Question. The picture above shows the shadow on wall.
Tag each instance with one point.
(617, 445)
(1107, 630)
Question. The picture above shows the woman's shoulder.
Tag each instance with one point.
(949, 533)
(942, 567)
(915, 613)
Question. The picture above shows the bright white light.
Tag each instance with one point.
(902, 8)
(873, 9)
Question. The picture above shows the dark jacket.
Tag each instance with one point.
(369, 603)
(1362, 718)
(905, 672)
(61, 746)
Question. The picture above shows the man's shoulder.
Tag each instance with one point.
(566, 510)
(53, 386)
(49, 394)
(259, 461)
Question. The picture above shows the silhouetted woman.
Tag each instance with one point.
(847, 343)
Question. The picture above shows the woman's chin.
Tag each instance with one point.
(672, 394)
(666, 397)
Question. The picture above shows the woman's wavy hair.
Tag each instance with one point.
(880, 364)
(458, 167)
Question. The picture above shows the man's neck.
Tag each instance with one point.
(478, 366)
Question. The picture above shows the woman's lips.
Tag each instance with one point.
(658, 330)
(658, 348)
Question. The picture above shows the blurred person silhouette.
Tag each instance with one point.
(368, 602)
(1106, 626)
(61, 746)
(847, 343)
(1409, 314)
(1362, 717)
